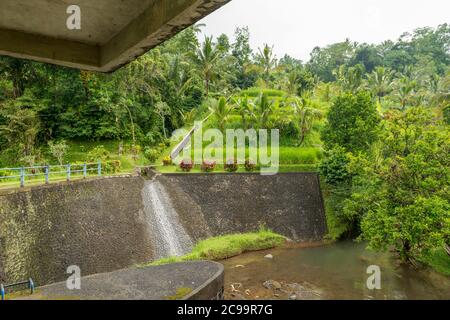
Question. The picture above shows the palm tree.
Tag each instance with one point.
(379, 82)
(266, 59)
(305, 114)
(179, 75)
(264, 108)
(349, 79)
(405, 90)
(221, 111)
(207, 57)
(244, 108)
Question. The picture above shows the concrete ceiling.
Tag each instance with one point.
(113, 32)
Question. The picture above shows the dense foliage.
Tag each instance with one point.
(378, 113)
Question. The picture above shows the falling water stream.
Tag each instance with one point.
(169, 236)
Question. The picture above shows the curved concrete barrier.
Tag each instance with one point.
(200, 280)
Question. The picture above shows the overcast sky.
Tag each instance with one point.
(295, 27)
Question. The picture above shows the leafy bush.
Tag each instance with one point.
(208, 166)
(334, 167)
(111, 167)
(231, 165)
(58, 150)
(186, 165)
(353, 123)
(152, 154)
(98, 153)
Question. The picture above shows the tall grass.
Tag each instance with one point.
(224, 247)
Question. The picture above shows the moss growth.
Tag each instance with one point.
(333, 199)
(227, 246)
(439, 261)
(180, 294)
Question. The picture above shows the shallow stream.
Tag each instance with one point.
(337, 271)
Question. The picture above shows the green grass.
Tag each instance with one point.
(256, 92)
(439, 261)
(224, 247)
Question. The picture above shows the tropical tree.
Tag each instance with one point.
(352, 123)
(349, 78)
(305, 114)
(207, 57)
(379, 82)
(244, 107)
(405, 88)
(263, 109)
(299, 82)
(221, 110)
(266, 59)
(162, 109)
(408, 205)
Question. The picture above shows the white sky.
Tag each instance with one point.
(295, 27)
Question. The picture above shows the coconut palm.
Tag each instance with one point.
(266, 59)
(379, 82)
(207, 57)
(405, 90)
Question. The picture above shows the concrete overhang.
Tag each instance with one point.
(113, 32)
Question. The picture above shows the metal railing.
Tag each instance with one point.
(47, 171)
(29, 283)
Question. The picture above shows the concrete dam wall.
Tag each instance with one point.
(108, 224)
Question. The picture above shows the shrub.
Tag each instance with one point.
(98, 154)
(231, 165)
(151, 154)
(208, 166)
(167, 161)
(186, 165)
(250, 165)
(111, 166)
(58, 150)
(334, 167)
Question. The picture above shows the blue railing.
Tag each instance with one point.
(29, 283)
(68, 170)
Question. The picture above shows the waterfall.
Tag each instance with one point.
(169, 237)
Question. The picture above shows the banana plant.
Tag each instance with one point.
(263, 109)
(221, 110)
(305, 114)
(244, 108)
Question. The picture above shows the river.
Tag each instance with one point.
(336, 271)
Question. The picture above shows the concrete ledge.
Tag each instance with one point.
(113, 32)
(202, 280)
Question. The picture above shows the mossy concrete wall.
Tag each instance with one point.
(100, 225)
(97, 225)
(219, 204)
